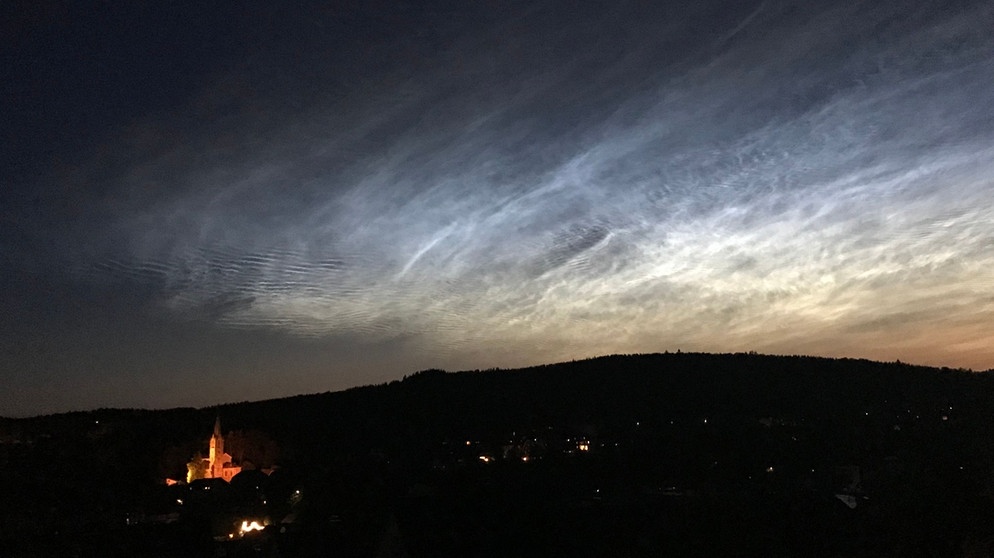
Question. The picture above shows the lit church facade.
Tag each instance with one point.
(218, 463)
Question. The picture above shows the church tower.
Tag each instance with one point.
(216, 456)
(218, 463)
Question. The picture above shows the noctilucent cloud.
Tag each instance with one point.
(203, 206)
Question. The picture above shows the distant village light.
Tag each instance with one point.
(250, 526)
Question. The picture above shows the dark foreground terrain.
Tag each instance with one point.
(643, 455)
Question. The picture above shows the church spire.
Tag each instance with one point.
(216, 457)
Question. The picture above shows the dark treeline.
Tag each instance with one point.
(684, 454)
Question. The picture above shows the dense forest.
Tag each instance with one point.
(634, 455)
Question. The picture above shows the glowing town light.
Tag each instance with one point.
(248, 526)
(583, 446)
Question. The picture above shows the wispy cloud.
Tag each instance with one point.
(787, 181)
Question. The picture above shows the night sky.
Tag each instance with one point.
(212, 203)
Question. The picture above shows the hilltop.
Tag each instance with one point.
(861, 448)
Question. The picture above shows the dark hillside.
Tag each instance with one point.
(684, 454)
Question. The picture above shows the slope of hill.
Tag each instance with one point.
(848, 454)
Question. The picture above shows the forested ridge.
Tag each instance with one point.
(865, 453)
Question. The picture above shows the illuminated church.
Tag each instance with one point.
(219, 464)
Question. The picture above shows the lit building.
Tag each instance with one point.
(217, 464)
